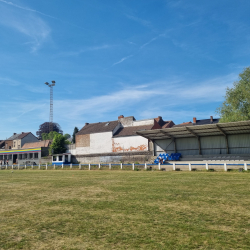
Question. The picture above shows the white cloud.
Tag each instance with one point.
(172, 99)
(29, 24)
(8, 81)
(122, 60)
(139, 20)
(93, 48)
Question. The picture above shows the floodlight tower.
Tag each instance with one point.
(51, 105)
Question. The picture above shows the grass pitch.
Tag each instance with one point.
(124, 210)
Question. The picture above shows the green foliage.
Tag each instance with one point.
(74, 134)
(67, 136)
(49, 136)
(58, 144)
(236, 106)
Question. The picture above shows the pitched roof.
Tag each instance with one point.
(99, 127)
(198, 122)
(22, 135)
(38, 144)
(13, 137)
(129, 131)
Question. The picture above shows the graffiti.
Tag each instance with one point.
(116, 147)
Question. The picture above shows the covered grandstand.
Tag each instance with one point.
(203, 142)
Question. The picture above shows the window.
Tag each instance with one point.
(36, 155)
(60, 157)
(9, 147)
(54, 158)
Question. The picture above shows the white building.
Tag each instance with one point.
(115, 140)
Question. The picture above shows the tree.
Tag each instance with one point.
(74, 134)
(236, 106)
(58, 144)
(44, 128)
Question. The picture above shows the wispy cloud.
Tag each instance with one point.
(140, 21)
(93, 48)
(26, 8)
(122, 60)
(8, 81)
(173, 99)
(30, 25)
(152, 40)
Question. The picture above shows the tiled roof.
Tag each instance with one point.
(99, 127)
(21, 136)
(13, 137)
(39, 144)
(129, 131)
(198, 122)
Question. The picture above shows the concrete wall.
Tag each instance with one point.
(131, 157)
(144, 122)
(129, 143)
(99, 143)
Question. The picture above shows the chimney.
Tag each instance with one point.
(194, 120)
(121, 116)
(14, 133)
(22, 132)
(211, 119)
(86, 123)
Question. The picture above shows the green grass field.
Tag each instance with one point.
(124, 210)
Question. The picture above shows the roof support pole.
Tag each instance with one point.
(225, 135)
(175, 149)
(199, 143)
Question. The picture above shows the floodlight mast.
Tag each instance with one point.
(51, 105)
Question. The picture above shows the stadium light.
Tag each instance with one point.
(51, 104)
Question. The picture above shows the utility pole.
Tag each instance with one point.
(51, 105)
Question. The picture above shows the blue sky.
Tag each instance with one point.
(118, 57)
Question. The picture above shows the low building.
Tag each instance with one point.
(115, 141)
(16, 141)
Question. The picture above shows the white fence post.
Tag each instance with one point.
(62, 165)
(39, 167)
(70, 165)
(32, 166)
(245, 166)
(99, 165)
(80, 167)
(54, 166)
(46, 166)
(159, 166)
(12, 166)
(109, 165)
(25, 166)
(89, 166)
(18, 166)
(189, 167)
(133, 166)
(225, 166)
(145, 166)
(6, 166)
(173, 166)
(206, 166)
(121, 165)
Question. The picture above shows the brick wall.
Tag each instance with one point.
(82, 141)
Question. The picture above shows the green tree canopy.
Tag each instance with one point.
(74, 134)
(58, 144)
(236, 106)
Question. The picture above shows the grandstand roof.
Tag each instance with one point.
(230, 128)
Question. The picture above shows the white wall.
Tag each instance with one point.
(99, 143)
(143, 122)
(129, 144)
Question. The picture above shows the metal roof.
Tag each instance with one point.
(230, 128)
